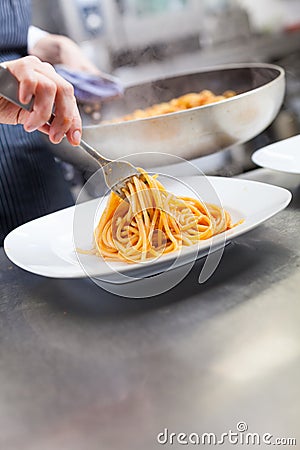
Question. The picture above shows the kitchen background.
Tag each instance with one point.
(137, 40)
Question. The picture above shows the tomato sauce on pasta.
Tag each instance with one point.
(152, 221)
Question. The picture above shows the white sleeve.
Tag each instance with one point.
(34, 35)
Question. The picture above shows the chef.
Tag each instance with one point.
(31, 183)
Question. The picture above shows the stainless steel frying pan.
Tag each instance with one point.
(191, 133)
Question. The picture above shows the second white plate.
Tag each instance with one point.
(283, 156)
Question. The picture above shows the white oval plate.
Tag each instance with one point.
(47, 246)
(283, 156)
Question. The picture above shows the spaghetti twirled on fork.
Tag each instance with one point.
(152, 222)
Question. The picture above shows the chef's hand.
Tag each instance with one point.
(40, 80)
(57, 49)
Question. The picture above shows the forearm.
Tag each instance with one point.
(58, 49)
(49, 48)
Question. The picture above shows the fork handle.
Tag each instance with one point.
(9, 88)
(102, 161)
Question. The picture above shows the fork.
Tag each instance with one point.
(116, 173)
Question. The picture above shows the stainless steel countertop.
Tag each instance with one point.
(82, 369)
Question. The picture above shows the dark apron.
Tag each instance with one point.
(31, 182)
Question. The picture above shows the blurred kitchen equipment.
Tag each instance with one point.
(291, 65)
(272, 16)
(223, 24)
(116, 173)
(107, 28)
(150, 22)
(198, 131)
